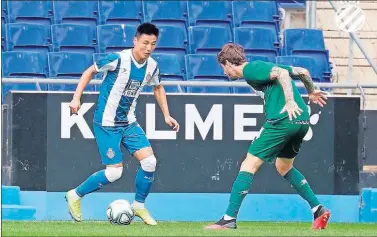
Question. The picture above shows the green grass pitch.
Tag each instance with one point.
(92, 228)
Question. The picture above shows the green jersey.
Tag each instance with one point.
(257, 75)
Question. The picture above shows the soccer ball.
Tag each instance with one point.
(120, 212)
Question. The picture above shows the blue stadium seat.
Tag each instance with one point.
(303, 39)
(73, 38)
(208, 39)
(210, 13)
(28, 37)
(252, 57)
(204, 67)
(2, 35)
(257, 41)
(120, 12)
(256, 14)
(166, 12)
(76, 12)
(4, 11)
(115, 37)
(172, 39)
(322, 64)
(292, 4)
(24, 65)
(171, 66)
(30, 12)
(308, 42)
(243, 90)
(68, 65)
(301, 61)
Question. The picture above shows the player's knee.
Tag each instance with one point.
(113, 173)
(251, 164)
(149, 163)
(283, 168)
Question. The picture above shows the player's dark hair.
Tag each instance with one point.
(147, 29)
(232, 53)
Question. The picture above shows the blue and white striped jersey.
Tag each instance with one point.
(123, 80)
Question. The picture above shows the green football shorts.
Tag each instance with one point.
(279, 139)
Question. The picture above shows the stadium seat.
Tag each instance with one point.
(120, 12)
(303, 39)
(68, 65)
(3, 11)
(208, 39)
(292, 4)
(28, 37)
(2, 35)
(39, 12)
(166, 12)
(210, 13)
(257, 41)
(172, 39)
(253, 57)
(256, 14)
(76, 12)
(301, 61)
(24, 65)
(204, 67)
(309, 42)
(115, 37)
(73, 38)
(171, 66)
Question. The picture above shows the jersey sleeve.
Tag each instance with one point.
(107, 63)
(155, 79)
(258, 72)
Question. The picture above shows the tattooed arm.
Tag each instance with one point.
(315, 95)
(282, 76)
(304, 76)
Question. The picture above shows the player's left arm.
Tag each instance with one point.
(315, 94)
(160, 94)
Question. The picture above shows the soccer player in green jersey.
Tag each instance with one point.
(286, 124)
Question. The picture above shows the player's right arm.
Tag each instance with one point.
(108, 63)
(84, 80)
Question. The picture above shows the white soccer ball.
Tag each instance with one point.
(120, 212)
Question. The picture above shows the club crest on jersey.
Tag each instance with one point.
(110, 153)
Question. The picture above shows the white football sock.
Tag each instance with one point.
(314, 209)
(72, 194)
(228, 218)
(138, 205)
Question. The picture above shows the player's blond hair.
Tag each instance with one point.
(232, 53)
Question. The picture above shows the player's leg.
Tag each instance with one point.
(138, 145)
(284, 166)
(108, 140)
(263, 149)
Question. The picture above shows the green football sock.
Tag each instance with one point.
(240, 188)
(299, 183)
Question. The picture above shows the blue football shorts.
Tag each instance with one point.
(109, 139)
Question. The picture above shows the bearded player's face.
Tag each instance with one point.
(144, 45)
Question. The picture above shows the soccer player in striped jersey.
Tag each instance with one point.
(125, 74)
